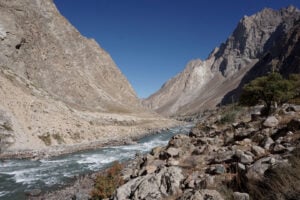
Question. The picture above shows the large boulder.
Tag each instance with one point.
(271, 122)
(152, 186)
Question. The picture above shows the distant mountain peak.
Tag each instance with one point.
(203, 84)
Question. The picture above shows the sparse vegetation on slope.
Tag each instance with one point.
(107, 183)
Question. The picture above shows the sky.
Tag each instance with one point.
(152, 40)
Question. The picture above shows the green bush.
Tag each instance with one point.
(107, 183)
(270, 90)
(46, 138)
(228, 117)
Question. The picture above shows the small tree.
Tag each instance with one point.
(271, 90)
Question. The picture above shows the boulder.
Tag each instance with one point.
(240, 196)
(152, 186)
(173, 152)
(217, 169)
(246, 159)
(271, 122)
(33, 192)
(257, 170)
(257, 150)
(180, 140)
(267, 143)
(211, 194)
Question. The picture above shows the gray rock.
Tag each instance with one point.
(173, 152)
(257, 150)
(257, 170)
(271, 122)
(241, 167)
(241, 196)
(267, 143)
(217, 169)
(81, 196)
(211, 195)
(246, 159)
(153, 186)
(33, 192)
(191, 195)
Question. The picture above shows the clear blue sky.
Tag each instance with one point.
(152, 40)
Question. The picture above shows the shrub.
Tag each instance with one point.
(270, 90)
(46, 139)
(58, 138)
(107, 183)
(279, 183)
(228, 117)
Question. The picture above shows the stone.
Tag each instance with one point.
(156, 151)
(180, 140)
(150, 169)
(191, 195)
(173, 162)
(278, 148)
(271, 122)
(151, 186)
(81, 196)
(241, 196)
(257, 170)
(257, 150)
(241, 167)
(267, 143)
(211, 194)
(173, 152)
(33, 192)
(217, 169)
(246, 159)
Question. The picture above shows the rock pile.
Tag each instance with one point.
(214, 157)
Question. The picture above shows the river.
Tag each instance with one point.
(17, 176)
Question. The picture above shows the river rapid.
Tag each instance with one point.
(19, 176)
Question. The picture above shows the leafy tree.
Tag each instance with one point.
(271, 90)
(295, 78)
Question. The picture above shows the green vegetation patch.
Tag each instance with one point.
(58, 138)
(46, 138)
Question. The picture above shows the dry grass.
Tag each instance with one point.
(107, 183)
(279, 183)
(46, 138)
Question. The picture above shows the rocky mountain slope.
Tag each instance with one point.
(205, 84)
(58, 87)
(248, 157)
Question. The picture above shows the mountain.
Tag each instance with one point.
(58, 88)
(218, 79)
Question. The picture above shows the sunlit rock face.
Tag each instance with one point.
(203, 84)
(58, 88)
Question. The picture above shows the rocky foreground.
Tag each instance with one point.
(221, 159)
(231, 153)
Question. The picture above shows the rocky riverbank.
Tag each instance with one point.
(229, 154)
(58, 150)
(223, 157)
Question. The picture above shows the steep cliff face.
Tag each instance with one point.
(58, 87)
(225, 67)
(40, 45)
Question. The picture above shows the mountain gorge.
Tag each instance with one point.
(261, 42)
(58, 88)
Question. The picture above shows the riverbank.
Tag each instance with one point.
(58, 150)
(40, 176)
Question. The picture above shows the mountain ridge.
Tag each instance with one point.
(60, 90)
(225, 66)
